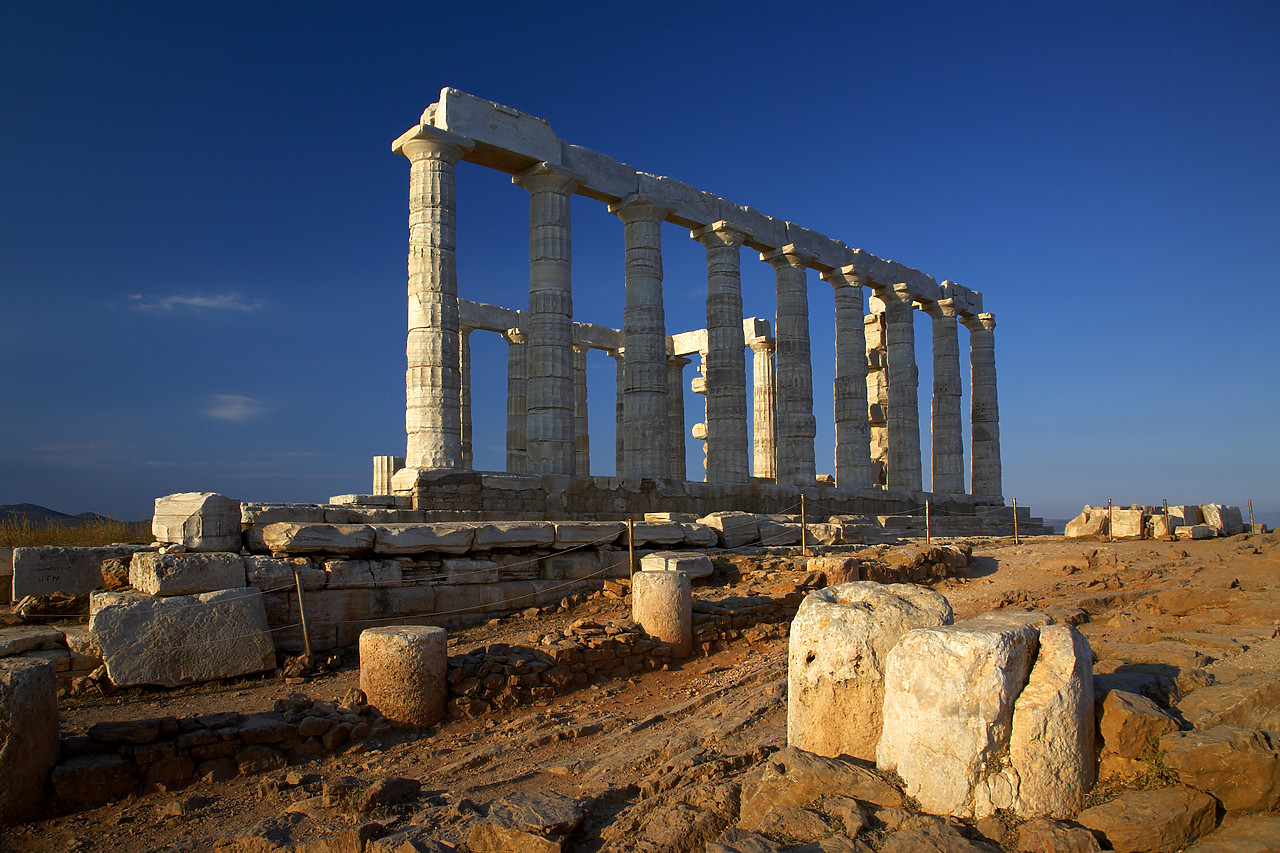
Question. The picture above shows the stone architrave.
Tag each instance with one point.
(517, 374)
(433, 380)
(948, 440)
(984, 406)
(797, 426)
(675, 415)
(28, 736)
(764, 450)
(549, 418)
(464, 395)
(853, 429)
(199, 521)
(662, 605)
(182, 639)
(903, 417)
(581, 432)
(949, 698)
(404, 672)
(725, 363)
(840, 640)
(646, 450)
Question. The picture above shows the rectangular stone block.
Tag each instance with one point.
(200, 521)
(6, 574)
(288, 538)
(1223, 518)
(270, 513)
(1127, 523)
(605, 179)
(1194, 531)
(514, 534)
(185, 574)
(650, 533)
(495, 126)
(573, 566)
(471, 571)
(775, 533)
(73, 570)
(276, 573)
(439, 537)
(699, 536)
(598, 534)
(733, 529)
(19, 639)
(694, 565)
(344, 574)
(182, 639)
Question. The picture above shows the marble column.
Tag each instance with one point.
(764, 449)
(796, 423)
(853, 428)
(726, 360)
(984, 408)
(581, 436)
(549, 420)
(647, 451)
(675, 414)
(948, 439)
(517, 369)
(619, 434)
(903, 417)
(464, 397)
(432, 379)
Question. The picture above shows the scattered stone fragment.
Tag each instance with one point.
(1045, 835)
(1240, 767)
(1165, 819)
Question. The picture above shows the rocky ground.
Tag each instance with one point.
(693, 757)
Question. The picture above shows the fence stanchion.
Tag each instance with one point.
(631, 547)
(1251, 530)
(804, 530)
(302, 611)
(1110, 536)
(1015, 521)
(927, 531)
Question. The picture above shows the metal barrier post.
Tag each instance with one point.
(302, 611)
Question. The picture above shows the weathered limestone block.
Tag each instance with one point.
(344, 574)
(1131, 723)
(948, 710)
(472, 571)
(73, 570)
(662, 605)
(524, 822)
(648, 533)
(1127, 523)
(404, 672)
(1225, 520)
(1251, 702)
(182, 639)
(698, 535)
(824, 534)
(1090, 523)
(1195, 531)
(1166, 819)
(775, 533)
(185, 574)
(1051, 754)
(840, 639)
(1241, 767)
(270, 513)
(273, 573)
(693, 565)
(287, 538)
(677, 517)
(28, 737)
(733, 529)
(201, 521)
(836, 570)
(1160, 526)
(514, 534)
(572, 534)
(17, 639)
(440, 538)
(1186, 516)
(576, 565)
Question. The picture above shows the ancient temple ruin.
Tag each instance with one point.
(877, 422)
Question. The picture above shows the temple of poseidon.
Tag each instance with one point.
(877, 421)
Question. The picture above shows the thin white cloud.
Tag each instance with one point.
(233, 407)
(192, 302)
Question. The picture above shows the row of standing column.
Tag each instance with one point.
(437, 397)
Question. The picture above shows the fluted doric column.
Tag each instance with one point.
(853, 430)
(581, 435)
(948, 439)
(517, 364)
(984, 408)
(619, 434)
(725, 366)
(464, 396)
(647, 448)
(904, 381)
(550, 420)
(796, 423)
(764, 443)
(675, 414)
(432, 379)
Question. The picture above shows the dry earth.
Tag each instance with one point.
(655, 761)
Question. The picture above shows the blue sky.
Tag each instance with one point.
(203, 230)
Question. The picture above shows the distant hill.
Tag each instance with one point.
(40, 515)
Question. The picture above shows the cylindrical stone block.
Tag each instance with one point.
(404, 672)
(662, 605)
(840, 639)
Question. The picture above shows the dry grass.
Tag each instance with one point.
(22, 532)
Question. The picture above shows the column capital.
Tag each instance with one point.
(639, 208)
(427, 142)
(976, 322)
(848, 276)
(548, 177)
(900, 293)
(719, 233)
(619, 354)
(789, 256)
(581, 348)
(941, 308)
(515, 336)
(678, 361)
(762, 344)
